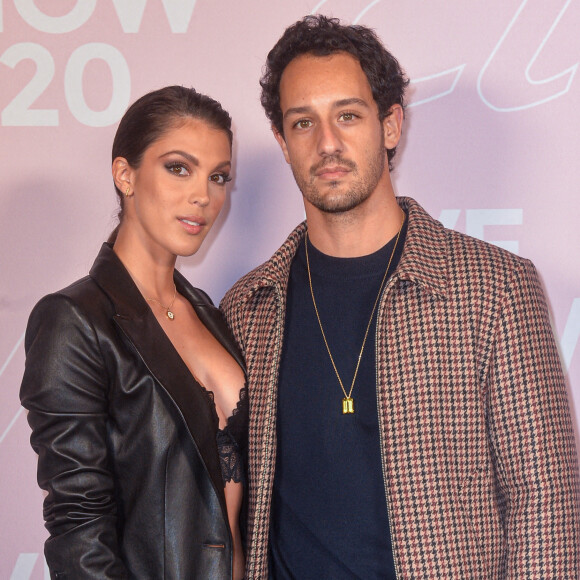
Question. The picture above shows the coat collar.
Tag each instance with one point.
(423, 260)
(138, 323)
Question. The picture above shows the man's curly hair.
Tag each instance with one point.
(321, 36)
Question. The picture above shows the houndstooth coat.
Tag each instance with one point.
(479, 459)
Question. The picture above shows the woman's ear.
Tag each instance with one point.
(123, 176)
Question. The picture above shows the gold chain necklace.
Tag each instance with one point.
(348, 402)
(168, 311)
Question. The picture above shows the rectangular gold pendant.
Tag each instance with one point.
(347, 406)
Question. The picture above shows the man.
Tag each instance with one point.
(408, 414)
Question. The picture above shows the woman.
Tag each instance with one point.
(134, 386)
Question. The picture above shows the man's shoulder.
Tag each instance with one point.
(483, 273)
(246, 283)
(481, 253)
(271, 273)
(433, 241)
(451, 263)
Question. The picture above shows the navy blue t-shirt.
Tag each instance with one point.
(329, 510)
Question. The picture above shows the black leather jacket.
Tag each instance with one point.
(125, 436)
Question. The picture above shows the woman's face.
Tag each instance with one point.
(179, 188)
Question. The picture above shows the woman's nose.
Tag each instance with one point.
(199, 194)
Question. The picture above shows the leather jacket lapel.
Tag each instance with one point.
(211, 317)
(137, 322)
(165, 364)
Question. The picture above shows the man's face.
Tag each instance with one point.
(333, 138)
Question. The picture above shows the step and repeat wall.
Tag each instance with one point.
(490, 148)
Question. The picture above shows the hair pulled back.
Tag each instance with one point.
(152, 115)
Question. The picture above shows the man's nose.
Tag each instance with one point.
(329, 139)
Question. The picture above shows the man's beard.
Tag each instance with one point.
(342, 201)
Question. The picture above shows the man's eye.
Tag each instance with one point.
(303, 124)
(347, 116)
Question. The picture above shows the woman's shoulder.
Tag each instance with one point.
(82, 291)
(81, 301)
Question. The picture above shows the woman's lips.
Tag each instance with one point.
(192, 224)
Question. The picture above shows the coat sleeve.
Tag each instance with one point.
(532, 437)
(65, 391)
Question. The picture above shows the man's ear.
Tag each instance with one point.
(393, 126)
(282, 142)
(123, 176)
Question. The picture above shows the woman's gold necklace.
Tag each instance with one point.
(168, 311)
(347, 401)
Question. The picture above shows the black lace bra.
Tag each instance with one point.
(232, 440)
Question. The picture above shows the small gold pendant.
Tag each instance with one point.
(347, 406)
(170, 315)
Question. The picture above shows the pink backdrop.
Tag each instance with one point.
(488, 148)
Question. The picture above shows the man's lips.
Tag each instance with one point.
(333, 168)
(332, 171)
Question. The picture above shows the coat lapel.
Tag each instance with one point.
(211, 317)
(137, 322)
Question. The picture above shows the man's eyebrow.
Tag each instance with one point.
(296, 111)
(352, 101)
(191, 158)
(337, 104)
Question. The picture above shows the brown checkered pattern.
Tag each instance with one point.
(479, 459)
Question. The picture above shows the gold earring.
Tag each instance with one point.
(127, 192)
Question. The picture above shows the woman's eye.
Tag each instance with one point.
(220, 178)
(178, 169)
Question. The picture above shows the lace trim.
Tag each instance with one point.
(231, 461)
(241, 404)
(231, 439)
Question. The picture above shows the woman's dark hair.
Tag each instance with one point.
(321, 36)
(151, 116)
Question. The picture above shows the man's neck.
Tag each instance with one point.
(358, 232)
